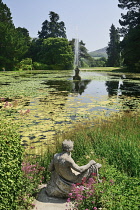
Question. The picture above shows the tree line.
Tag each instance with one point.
(52, 50)
(127, 51)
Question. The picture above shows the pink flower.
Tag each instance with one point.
(68, 200)
(84, 179)
(95, 208)
(94, 174)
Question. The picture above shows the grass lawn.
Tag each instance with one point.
(103, 68)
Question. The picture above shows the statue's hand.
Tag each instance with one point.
(92, 162)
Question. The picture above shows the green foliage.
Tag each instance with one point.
(113, 50)
(132, 18)
(114, 144)
(10, 169)
(14, 42)
(32, 177)
(53, 28)
(118, 141)
(84, 63)
(101, 62)
(26, 64)
(40, 66)
(130, 30)
(20, 175)
(57, 53)
(21, 43)
(117, 191)
(130, 49)
(34, 49)
(6, 30)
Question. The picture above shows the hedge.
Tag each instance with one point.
(10, 168)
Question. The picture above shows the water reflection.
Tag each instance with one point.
(126, 90)
(80, 86)
(123, 86)
(68, 86)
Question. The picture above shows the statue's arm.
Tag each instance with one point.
(81, 168)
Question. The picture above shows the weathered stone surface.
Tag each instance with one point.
(65, 172)
(44, 202)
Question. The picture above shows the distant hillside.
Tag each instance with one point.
(99, 53)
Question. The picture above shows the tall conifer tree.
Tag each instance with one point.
(130, 30)
(52, 28)
(113, 49)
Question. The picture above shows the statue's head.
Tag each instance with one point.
(67, 145)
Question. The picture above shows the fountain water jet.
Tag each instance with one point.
(76, 60)
(76, 53)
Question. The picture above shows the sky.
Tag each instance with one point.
(87, 20)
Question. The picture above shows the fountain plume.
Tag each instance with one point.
(76, 53)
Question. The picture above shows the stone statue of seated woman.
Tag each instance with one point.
(65, 172)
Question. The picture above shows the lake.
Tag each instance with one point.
(56, 102)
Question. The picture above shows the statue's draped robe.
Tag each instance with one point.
(60, 183)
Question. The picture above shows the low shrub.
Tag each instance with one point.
(40, 66)
(20, 175)
(25, 64)
(10, 169)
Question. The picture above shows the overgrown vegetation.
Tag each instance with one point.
(115, 144)
(10, 170)
(19, 176)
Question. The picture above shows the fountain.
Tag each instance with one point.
(76, 53)
(76, 60)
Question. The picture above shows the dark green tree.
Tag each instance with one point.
(13, 42)
(131, 49)
(57, 53)
(130, 22)
(52, 28)
(113, 49)
(22, 42)
(132, 18)
(34, 49)
(6, 29)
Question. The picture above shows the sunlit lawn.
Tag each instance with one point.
(103, 68)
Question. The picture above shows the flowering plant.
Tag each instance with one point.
(86, 195)
(32, 177)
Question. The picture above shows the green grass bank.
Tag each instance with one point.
(115, 144)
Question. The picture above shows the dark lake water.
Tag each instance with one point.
(56, 101)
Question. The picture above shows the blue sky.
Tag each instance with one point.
(89, 20)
